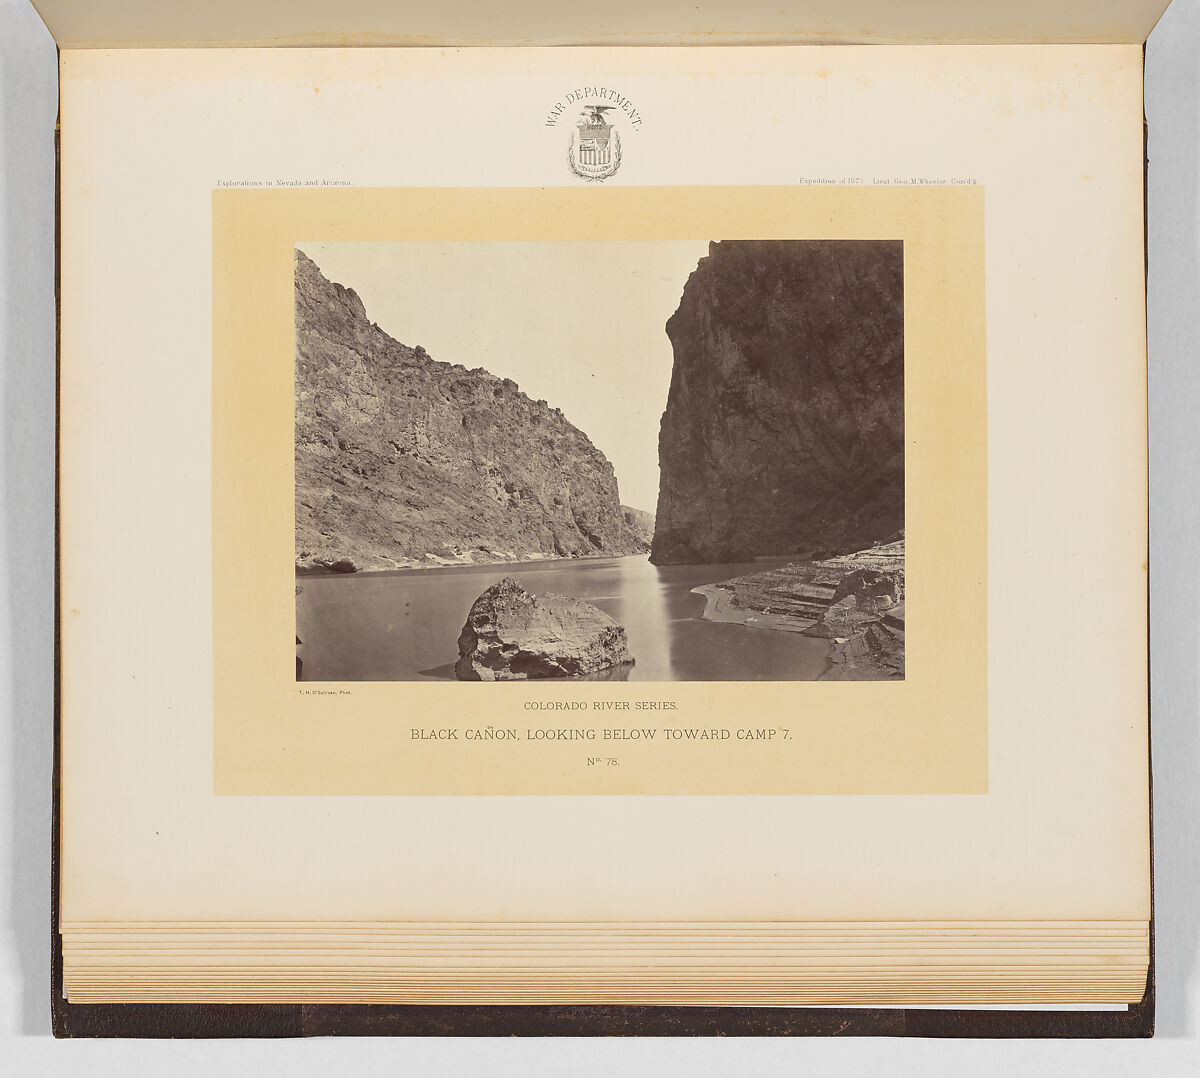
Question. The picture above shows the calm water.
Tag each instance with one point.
(404, 626)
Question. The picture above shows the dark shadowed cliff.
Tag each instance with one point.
(403, 461)
(784, 426)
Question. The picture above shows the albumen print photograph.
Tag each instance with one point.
(620, 461)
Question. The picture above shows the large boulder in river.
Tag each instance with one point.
(511, 635)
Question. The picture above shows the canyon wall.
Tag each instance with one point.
(784, 426)
(404, 461)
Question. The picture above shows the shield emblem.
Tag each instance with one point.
(594, 152)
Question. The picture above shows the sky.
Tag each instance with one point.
(579, 325)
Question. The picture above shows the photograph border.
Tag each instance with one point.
(927, 734)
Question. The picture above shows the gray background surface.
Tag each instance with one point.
(28, 105)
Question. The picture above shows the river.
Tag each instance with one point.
(404, 625)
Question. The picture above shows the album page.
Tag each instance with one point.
(603, 485)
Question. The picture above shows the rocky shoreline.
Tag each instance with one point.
(856, 601)
(435, 561)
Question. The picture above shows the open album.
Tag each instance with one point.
(619, 526)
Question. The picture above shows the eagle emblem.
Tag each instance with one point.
(594, 152)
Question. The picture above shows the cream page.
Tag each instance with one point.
(1056, 825)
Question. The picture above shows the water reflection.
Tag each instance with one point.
(404, 626)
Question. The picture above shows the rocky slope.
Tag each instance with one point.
(854, 600)
(403, 461)
(640, 525)
(784, 426)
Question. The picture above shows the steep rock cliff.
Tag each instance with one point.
(403, 461)
(784, 426)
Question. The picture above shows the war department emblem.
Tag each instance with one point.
(594, 152)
